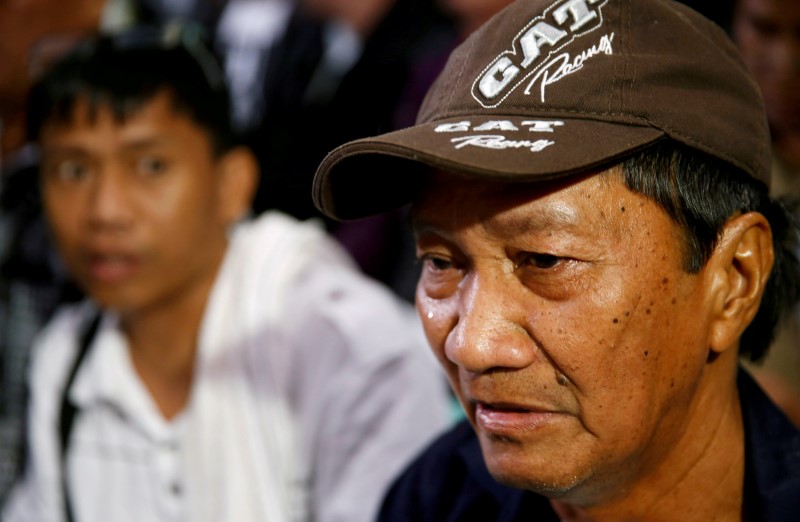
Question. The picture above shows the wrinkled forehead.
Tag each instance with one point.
(449, 200)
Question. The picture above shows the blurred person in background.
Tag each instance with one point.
(767, 33)
(245, 34)
(466, 16)
(338, 72)
(471, 14)
(223, 367)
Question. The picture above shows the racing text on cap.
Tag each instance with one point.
(560, 24)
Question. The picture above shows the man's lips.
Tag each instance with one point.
(510, 419)
(112, 267)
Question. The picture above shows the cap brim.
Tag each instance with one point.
(377, 174)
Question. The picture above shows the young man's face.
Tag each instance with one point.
(567, 327)
(135, 206)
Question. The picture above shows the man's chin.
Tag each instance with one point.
(542, 482)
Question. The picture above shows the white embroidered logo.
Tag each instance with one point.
(527, 54)
(566, 65)
(498, 141)
(506, 125)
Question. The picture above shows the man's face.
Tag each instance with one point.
(569, 331)
(134, 206)
(768, 35)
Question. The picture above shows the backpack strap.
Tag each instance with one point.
(69, 411)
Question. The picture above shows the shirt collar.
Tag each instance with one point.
(107, 377)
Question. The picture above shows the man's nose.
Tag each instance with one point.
(492, 331)
(109, 200)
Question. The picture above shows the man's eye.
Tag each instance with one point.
(70, 170)
(436, 263)
(151, 166)
(542, 260)
(765, 26)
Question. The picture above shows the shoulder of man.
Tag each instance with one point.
(449, 482)
(772, 478)
(279, 249)
(291, 279)
(318, 286)
(267, 260)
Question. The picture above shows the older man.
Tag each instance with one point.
(589, 181)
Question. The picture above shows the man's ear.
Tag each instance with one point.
(739, 268)
(239, 173)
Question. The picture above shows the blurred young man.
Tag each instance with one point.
(767, 32)
(224, 368)
(589, 187)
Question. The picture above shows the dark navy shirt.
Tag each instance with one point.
(449, 481)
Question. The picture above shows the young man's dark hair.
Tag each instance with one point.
(124, 71)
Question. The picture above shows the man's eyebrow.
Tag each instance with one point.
(146, 143)
(421, 226)
(133, 144)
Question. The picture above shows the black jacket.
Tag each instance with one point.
(449, 482)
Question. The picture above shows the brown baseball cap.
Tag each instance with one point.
(546, 89)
